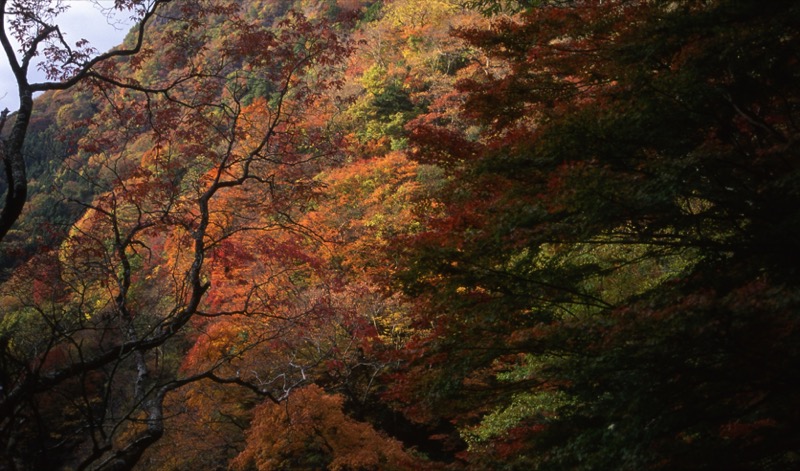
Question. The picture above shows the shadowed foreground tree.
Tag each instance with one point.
(614, 284)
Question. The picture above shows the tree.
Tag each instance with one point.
(33, 25)
(315, 433)
(93, 333)
(619, 232)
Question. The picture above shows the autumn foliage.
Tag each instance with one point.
(316, 434)
(358, 235)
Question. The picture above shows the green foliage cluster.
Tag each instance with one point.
(384, 109)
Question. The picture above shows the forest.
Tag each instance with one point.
(402, 235)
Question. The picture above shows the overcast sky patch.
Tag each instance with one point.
(83, 20)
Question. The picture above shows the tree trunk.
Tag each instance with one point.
(14, 163)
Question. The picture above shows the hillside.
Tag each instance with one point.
(353, 235)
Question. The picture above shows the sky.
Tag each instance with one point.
(83, 20)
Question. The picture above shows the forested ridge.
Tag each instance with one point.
(403, 235)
